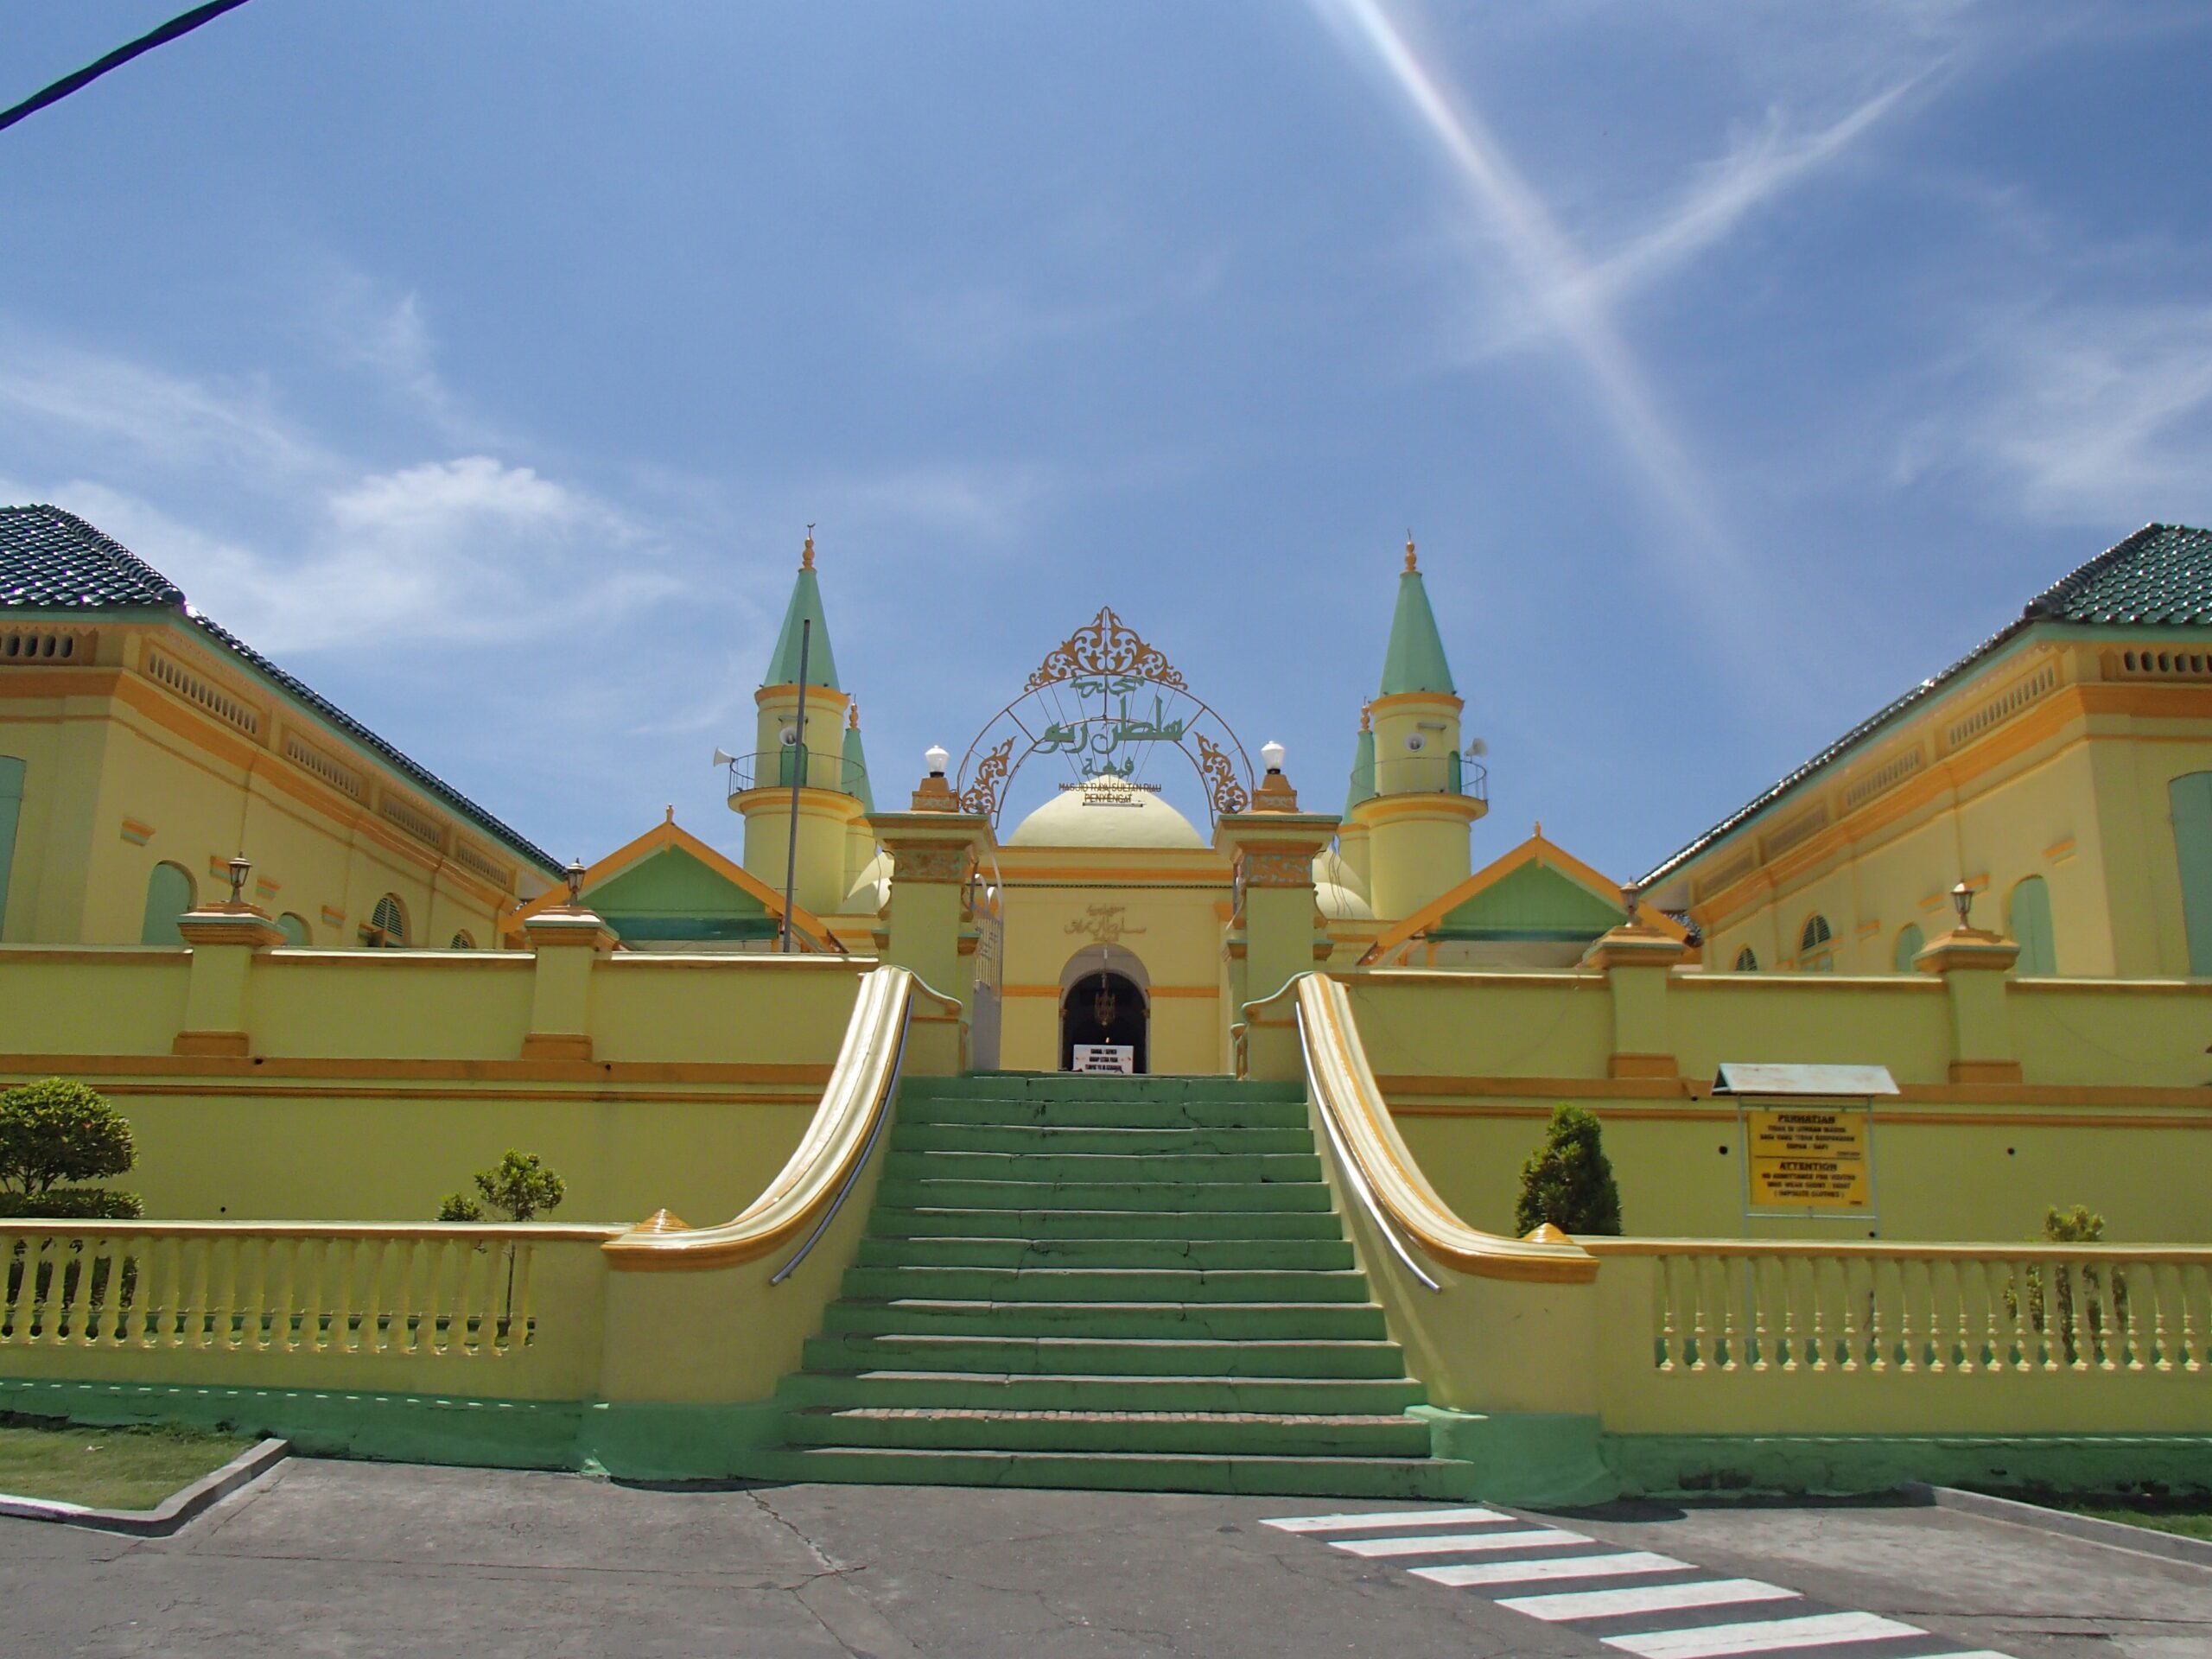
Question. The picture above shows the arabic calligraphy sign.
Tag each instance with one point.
(1103, 705)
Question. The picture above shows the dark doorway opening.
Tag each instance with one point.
(1103, 1008)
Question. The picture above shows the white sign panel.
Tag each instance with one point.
(1105, 1057)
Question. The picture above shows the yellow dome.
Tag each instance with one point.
(1340, 904)
(1077, 817)
(873, 891)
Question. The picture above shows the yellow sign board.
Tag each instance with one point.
(1808, 1158)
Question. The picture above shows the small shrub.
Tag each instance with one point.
(1569, 1181)
(57, 1131)
(2051, 1313)
(519, 1187)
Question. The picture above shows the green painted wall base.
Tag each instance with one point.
(1547, 1459)
(648, 1442)
(1706, 1466)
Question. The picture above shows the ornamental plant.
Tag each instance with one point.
(519, 1187)
(2051, 1310)
(1567, 1181)
(55, 1132)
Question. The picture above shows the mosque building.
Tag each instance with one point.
(2062, 769)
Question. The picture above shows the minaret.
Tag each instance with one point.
(1416, 817)
(1352, 838)
(860, 838)
(828, 802)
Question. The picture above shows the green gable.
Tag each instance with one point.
(1414, 661)
(672, 895)
(1531, 903)
(821, 664)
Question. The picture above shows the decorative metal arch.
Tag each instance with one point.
(1101, 666)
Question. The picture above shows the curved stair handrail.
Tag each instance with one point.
(822, 1167)
(1360, 1124)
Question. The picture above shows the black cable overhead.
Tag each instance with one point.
(115, 60)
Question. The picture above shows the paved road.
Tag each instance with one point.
(361, 1558)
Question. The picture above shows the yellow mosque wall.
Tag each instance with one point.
(2053, 762)
(145, 750)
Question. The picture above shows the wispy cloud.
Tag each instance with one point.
(1554, 275)
(2082, 412)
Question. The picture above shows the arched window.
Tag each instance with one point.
(295, 929)
(11, 806)
(1815, 954)
(2191, 799)
(460, 941)
(2027, 917)
(1747, 960)
(1910, 941)
(169, 895)
(387, 928)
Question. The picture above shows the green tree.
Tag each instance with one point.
(519, 1187)
(55, 1132)
(1567, 1181)
(2051, 1313)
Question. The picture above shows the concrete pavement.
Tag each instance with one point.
(359, 1559)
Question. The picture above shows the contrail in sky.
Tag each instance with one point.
(1557, 278)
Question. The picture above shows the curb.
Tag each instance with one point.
(2114, 1535)
(172, 1513)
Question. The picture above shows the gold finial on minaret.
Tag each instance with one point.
(853, 716)
(1410, 563)
(1366, 716)
(806, 553)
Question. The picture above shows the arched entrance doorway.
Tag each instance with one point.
(1103, 1000)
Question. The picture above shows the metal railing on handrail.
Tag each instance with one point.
(827, 1159)
(1345, 1094)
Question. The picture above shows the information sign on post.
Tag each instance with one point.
(1807, 1134)
(1105, 1057)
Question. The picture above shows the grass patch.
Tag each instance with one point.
(107, 1468)
(2191, 1520)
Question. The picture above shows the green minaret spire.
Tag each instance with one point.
(1414, 661)
(856, 764)
(1363, 766)
(806, 605)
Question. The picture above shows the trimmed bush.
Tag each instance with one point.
(54, 1132)
(1567, 1181)
(519, 1187)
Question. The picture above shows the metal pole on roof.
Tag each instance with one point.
(799, 777)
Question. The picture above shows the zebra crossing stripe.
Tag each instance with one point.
(1769, 1636)
(1406, 1518)
(1455, 1543)
(1646, 1599)
(1461, 1574)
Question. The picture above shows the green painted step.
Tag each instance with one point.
(850, 1351)
(1242, 1434)
(1185, 1196)
(1422, 1478)
(1016, 1085)
(1034, 1138)
(1092, 1168)
(1198, 1255)
(1106, 1114)
(1228, 1321)
(939, 1220)
(1013, 1392)
(1100, 1285)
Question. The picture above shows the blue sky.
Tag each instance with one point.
(1735, 365)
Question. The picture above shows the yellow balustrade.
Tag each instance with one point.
(1749, 1337)
(272, 1304)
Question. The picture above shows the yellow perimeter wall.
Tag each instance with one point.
(375, 1083)
(2111, 1109)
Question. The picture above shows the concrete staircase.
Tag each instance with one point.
(1127, 1282)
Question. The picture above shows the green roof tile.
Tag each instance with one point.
(51, 560)
(2161, 576)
